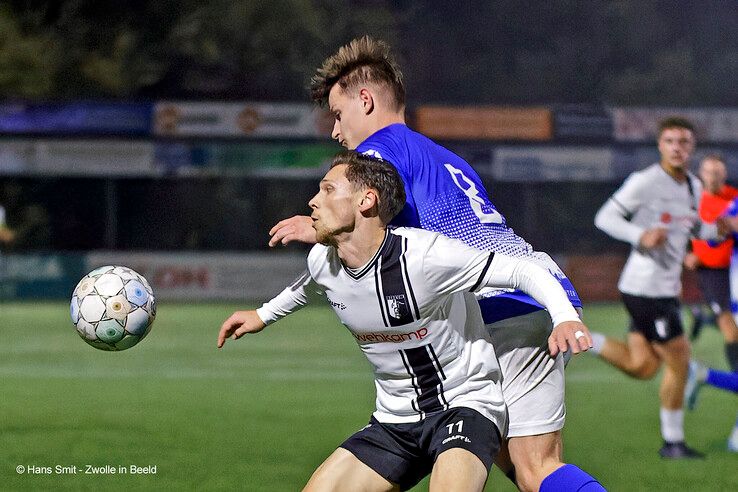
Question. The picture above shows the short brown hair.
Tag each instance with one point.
(363, 60)
(675, 122)
(367, 172)
(714, 157)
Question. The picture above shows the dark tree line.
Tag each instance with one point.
(496, 51)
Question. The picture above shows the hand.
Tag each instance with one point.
(653, 238)
(238, 324)
(726, 225)
(297, 228)
(691, 262)
(569, 334)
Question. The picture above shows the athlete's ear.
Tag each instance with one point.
(367, 100)
(368, 202)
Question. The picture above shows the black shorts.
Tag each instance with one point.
(405, 453)
(715, 287)
(659, 319)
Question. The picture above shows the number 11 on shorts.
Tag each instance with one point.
(459, 424)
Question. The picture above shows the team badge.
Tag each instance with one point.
(397, 306)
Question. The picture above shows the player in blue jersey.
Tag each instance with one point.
(404, 294)
(364, 89)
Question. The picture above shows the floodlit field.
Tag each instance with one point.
(263, 412)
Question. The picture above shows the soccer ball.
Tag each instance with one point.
(113, 308)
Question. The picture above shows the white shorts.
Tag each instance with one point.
(532, 381)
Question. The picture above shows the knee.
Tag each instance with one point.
(645, 369)
(529, 475)
(528, 480)
(679, 352)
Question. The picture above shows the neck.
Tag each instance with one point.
(678, 173)
(357, 247)
(386, 119)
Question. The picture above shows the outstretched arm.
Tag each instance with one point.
(285, 303)
(297, 228)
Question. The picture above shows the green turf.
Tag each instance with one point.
(263, 412)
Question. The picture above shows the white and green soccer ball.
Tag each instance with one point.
(113, 308)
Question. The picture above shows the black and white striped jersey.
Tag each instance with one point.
(413, 314)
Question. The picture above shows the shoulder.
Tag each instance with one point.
(414, 234)
(654, 171)
(643, 178)
(729, 192)
(421, 239)
(319, 257)
(696, 184)
(393, 143)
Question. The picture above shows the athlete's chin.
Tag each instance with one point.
(323, 236)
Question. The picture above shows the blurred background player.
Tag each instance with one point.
(655, 210)
(363, 87)
(29, 228)
(711, 261)
(439, 400)
(700, 376)
(6, 235)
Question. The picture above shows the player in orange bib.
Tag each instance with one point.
(712, 261)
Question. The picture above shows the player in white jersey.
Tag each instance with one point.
(363, 87)
(405, 295)
(655, 210)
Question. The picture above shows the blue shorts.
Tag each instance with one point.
(405, 453)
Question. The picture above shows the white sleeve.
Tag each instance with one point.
(291, 299)
(707, 232)
(537, 282)
(452, 266)
(613, 217)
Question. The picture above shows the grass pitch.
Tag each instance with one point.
(263, 412)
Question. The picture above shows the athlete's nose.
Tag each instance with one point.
(336, 133)
(313, 202)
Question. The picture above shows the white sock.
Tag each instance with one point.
(598, 341)
(672, 425)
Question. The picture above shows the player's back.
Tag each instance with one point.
(446, 195)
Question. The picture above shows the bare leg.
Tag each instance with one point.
(504, 463)
(535, 458)
(637, 358)
(342, 471)
(457, 469)
(728, 327)
(675, 354)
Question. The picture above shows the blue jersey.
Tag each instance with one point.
(444, 194)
